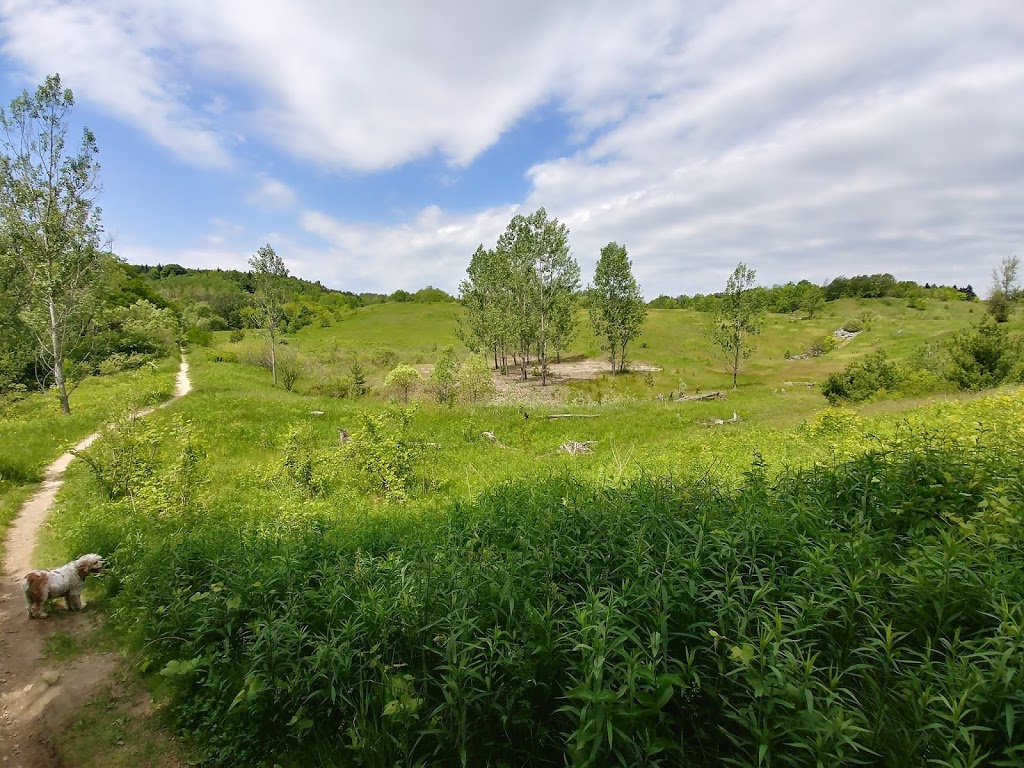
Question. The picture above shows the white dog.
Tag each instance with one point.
(66, 581)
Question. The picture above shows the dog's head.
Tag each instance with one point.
(87, 564)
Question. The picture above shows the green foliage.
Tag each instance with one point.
(443, 379)
(267, 313)
(520, 296)
(738, 318)
(862, 379)
(863, 611)
(853, 326)
(382, 451)
(473, 380)
(616, 305)
(403, 380)
(357, 380)
(1005, 290)
(306, 462)
(236, 335)
(157, 467)
(290, 366)
(984, 356)
(51, 225)
(811, 300)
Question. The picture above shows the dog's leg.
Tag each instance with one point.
(74, 601)
(36, 594)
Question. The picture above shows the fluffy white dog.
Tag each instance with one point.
(66, 581)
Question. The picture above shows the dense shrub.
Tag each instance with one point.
(862, 379)
(403, 380)
(984, 356)
(382, 451)
(868, 612)
(853, 326)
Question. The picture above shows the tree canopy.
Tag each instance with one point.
(50, 224)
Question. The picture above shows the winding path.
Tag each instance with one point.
(35, 699)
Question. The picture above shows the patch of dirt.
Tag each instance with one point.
(36, 698)
(512, 388)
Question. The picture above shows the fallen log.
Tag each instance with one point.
(705, 396)
(572, 415)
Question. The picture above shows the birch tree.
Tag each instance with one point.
(268, 272)
(737, 320)
(51, 225)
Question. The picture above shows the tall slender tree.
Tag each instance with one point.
(268, 272)
(485, 293)
(544, 279)
(738, 319)
(617, 309)
(51, 225)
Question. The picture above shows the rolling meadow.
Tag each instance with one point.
(803, 585)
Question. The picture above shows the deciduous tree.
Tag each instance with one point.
(617, 309)
(543, 275)
(50, 223)
(443, 380)
(737, 320)
(403, 379)
(268, 272)
(1005, 290)
(473, 379)
(812, 299)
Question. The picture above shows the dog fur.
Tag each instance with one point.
(66, 581)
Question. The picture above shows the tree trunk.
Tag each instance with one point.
(273, 356)
(58, 359)
(614, 368)
(735, 367)
(622, 356)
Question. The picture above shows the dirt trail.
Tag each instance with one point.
(35, 699)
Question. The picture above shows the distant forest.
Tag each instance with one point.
(792, 296)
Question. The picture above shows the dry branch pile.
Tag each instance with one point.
(573, 447)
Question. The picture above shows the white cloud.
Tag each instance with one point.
(271, 193)
(808, 139)
(434, 249)
(119, 57)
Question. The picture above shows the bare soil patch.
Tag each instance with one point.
(512, 389)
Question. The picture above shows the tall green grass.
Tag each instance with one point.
(863, 609)
(33, 432)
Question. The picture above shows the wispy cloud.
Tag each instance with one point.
(271, 193)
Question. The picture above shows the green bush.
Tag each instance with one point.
(862, 379)
(853, 326)
(984, 356)
(382, 451)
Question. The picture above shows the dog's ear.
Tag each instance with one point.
(82, 567)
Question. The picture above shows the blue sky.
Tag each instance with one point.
(375, 145)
